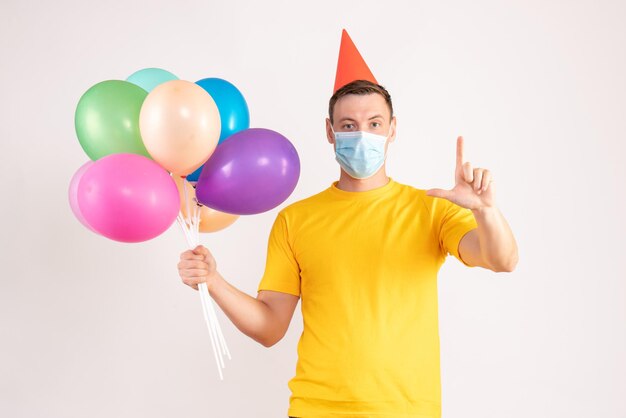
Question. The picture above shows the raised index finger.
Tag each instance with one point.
(459, 152)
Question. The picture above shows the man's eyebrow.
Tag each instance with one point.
(350, 119)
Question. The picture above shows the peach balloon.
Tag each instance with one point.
(180, 126)
(211, 220)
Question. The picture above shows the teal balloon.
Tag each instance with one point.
(107, 119)
(234, 113)
(231, 104)
(149, 78)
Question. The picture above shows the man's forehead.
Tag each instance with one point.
(367, 106)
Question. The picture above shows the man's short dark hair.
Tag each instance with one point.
(359, 87)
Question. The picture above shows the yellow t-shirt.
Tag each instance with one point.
(365, 266)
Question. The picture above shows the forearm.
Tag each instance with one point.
(497, 243)
(250, 315)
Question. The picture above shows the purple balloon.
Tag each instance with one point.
(73, 194)
(128, 197)
(254, 171)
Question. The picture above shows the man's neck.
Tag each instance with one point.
(350, 184)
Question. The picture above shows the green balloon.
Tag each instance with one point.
(107, 119)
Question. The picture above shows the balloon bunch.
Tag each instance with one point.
(163, 149)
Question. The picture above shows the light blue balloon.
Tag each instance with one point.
(149, 78)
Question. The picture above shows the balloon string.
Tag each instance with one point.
(221, 339)
(207, 318)
(204, 294)
(196, 222)
(191, 232)
(186, 197)
(205, 311)
(183, 226)
(208, 300)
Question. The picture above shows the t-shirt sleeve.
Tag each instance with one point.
(456, 221)
(282, 272)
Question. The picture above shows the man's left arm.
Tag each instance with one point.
(491, 245)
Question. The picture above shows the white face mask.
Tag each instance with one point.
(360, 153)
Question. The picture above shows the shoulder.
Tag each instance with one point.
(434, 205)
(304, 205)
(414, 194)
(407, 189)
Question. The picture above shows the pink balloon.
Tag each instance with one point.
(73, 194)
(128, 197)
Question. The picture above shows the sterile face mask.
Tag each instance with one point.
(361, 154)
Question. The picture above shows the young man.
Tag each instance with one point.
(363, 256)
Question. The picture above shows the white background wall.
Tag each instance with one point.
(94, 328)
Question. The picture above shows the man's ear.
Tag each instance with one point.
(392, 137)
(329, 132)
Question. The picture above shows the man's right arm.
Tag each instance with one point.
(265, 318)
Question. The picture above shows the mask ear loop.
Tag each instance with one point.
(388, 143)
(389, 132)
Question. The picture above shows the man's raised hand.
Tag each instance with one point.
(473, 188)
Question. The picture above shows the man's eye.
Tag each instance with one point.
(347, 126)
(375, 124)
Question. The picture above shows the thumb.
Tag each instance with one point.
(200, 249)
(438, 193)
